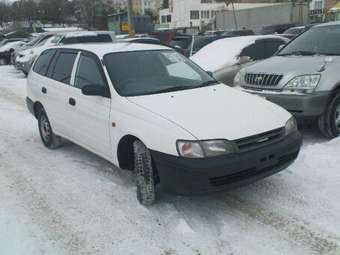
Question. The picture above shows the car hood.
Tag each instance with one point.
(216, 112)
(292, 64)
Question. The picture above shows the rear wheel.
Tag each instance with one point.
(329, 122)
(49, 139)
(146, 191)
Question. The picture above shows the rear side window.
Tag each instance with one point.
(254, 51)
(43, 62)
(88, 72)
(63, 67)
(271, 47)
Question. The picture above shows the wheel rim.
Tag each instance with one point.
(337, 117)
(45, 129)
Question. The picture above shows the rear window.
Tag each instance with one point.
(42, 63)
(100, 38)
(63, 67)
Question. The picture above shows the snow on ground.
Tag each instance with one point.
(70, 201)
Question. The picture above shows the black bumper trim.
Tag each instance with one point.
(202, 176)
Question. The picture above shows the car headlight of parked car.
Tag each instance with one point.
(202, 149)
(291, 126)
(304, 83)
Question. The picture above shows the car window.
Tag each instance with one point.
(88, 72)
(43, 62)
(271, 47)
(254, 51)
(322, 40)
(63, 67)
(156, 71)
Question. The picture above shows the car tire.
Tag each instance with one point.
(49, 139)
(145, 181)
(329, 121)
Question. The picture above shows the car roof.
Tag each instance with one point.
(101, 49)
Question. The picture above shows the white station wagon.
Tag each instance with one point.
(147, 109)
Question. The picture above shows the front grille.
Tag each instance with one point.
(251, 172)
(260, 140)
(263, 79)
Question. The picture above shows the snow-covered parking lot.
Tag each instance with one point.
(70, 201)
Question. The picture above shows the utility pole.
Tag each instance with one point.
(131, 19)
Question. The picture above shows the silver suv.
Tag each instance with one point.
(303, 77)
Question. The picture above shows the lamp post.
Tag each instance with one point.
(130, 19)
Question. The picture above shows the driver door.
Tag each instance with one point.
(90, 115)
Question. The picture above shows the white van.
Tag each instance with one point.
(148, 109)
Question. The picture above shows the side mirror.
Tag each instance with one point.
(243, 60)
(178, 47)
(281, 47)
(94, 90)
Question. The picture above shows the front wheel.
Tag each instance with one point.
(49, 139)
(146, 191)
(329, 121)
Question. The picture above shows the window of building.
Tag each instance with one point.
(194, 15)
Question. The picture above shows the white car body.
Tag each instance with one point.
(222, 57)
(99, 124)
(12, 46)
(26, 57)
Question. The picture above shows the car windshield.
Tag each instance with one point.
(324, 40)
(151, 72)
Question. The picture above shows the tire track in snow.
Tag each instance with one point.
(49, 220)
(11, 97)
(297, 231)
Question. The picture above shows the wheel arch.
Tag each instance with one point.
(37, 106)
(125, 154)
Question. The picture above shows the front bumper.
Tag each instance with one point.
(302, 106)
(201, 176)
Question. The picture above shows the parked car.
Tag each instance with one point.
(303, 77)
(146, 40)
(148, 109)
(276, 29)
(235, 33)
(26, 58)
(189, 45)
(225, 57)
(293, 32)
(32, 43)
(7, 50)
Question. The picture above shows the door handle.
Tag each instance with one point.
(72, 101)
(43, 90)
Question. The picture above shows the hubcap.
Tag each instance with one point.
(337, 117)
(45, 129)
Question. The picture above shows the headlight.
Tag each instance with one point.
(291, 126)
(201, 149)
(304, 83)
(237, 78)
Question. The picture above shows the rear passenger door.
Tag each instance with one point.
(89, 116)
(60, 73)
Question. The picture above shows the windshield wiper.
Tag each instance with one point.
(299, 53)
(207, 83)
(172, 89)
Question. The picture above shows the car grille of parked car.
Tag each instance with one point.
(263, 79)
(260, 140)
(252, 171)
